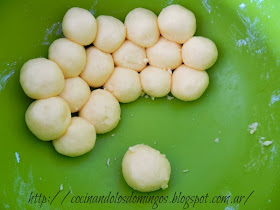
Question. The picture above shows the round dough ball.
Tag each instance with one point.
(99, 67)
(79, 25)
(41, 78)
(155, 82)
(165, 54)
(69, 56)
(130, 56)
(124, 84)
(199, 53)
(176, 23)
(48, 118)
(110, 34)
(145, 169)
(142, 28)
(78, 139)
(76, 93)
(188, 84)
(102, 110)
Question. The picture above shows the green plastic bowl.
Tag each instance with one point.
(244, 88)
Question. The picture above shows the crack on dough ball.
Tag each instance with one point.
(69, 56)
(176, 23)
(41, 78)
(188, 84)
(124, 84)
(145, 169)
(78, 139)
(142, 28)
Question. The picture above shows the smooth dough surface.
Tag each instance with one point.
(145, 169)
(76, 93)
(41, 78)
(130, 56)
(155, 82)
(99, 67)
(48, 118)
(199, 53)
(176, 23)
(188, 84)
(79, 25)
(102, 110)
(110, 33)
(69, 56)
(142, 28)
(165, 54)
(78, 139)
(124, 84)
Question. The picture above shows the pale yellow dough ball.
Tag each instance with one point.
(176, 23)
(199, 53)
(102, 110)
(76, 93)
(124, 84)
(110, 33)
(41, 78)
(78, 139)
(145, 169)
(142, 28)
(165, 54)
(130, 56)
(79, 25)
(99, 67)
(48, 118)
(69, 56)
(188, 84)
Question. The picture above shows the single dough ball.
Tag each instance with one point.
(142, 28)
(199, 53)
(48, 118)
(41, 78)
(130, 56)
(155, 82)
(124, 84)
(145, 169)
(110, 34)
(176, 23)
(78, 139)
(99, 67)
(102, 110)
(79, 25)
(188, 84)
(165, 54)
(69, 56)
(76, 93)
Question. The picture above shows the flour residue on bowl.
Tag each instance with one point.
(7, 73)
(207, 5)
(54, 29)
(92, 8)
(275, 97)
(17, 157)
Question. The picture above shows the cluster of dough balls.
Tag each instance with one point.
(123, 61)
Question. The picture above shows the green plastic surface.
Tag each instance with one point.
(244, 88)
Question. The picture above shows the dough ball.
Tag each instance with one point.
(69, 56)
(124, 84)
(188, 84)
(155, 82)
(41, 78)
(99, 67)
(199, 53)
(76, 93)
(110, 34)
(145, 169)
(48, 118)
(142, 28)
(165, 54)
(130, 56)
(102, 110)
(78, 139)
(79, 25)
(176, 23)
